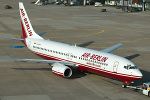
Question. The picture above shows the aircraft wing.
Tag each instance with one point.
(12, 38)
(42, 61)
(112, 48)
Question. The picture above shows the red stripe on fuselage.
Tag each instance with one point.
(119, 76)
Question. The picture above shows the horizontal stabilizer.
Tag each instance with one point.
(40, 34)
(13, 46)
(112, 48)
(41, 61)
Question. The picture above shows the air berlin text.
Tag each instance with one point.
(94, 57)
(26, 23)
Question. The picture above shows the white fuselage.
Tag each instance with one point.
(87, 59)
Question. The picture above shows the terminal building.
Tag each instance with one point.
(134, 3)
(144, 4)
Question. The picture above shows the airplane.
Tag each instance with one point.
(64, 57)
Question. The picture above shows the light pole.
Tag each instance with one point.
(143, 5)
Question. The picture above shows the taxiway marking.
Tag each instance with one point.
(80, 35)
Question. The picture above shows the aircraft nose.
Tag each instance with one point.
(138, 73)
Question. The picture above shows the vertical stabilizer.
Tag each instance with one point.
(27, 29)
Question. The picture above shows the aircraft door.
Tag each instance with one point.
(69, 56)
(115, 67)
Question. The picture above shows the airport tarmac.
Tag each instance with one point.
(72, 25)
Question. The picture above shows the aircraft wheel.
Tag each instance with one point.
(149, 93)
(124, 85)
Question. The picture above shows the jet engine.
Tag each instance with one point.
(61, 70)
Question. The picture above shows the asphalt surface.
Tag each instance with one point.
(72, 25)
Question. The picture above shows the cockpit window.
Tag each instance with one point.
(130, 67)
(126, 67)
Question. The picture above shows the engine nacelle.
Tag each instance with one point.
(61, 70)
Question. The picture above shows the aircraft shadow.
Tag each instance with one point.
(145, 78)
(103, 77)
(75, 73)
(132, 56)
(85, 44)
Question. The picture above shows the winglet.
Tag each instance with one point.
(112, 48)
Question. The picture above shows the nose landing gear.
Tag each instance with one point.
(125, 84)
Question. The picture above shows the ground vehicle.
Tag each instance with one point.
(73, 3)
(91, 2)
(58, 2)
(98, 4)
(146, 88)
